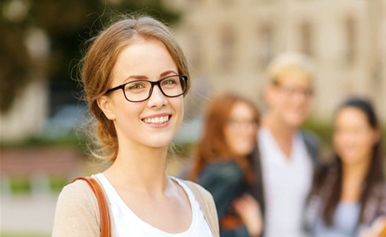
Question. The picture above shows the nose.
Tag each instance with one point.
(157, 98)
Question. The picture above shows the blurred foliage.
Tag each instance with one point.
(67, 25)
(58, 182)
(20, 185)
(74, 140)
(322, 130)
(22, 235)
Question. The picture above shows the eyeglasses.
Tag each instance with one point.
(141, 90)
(238, 123)
(290, 91)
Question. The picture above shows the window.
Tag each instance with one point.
(265, 46)
(350, 40)
(306, 38)
(195, 49)
(227, 44)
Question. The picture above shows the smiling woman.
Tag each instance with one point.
(349, 196)
(222, 163)
(134, 77)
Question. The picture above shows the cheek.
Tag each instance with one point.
(228, 135)
(367, 143)
(178, 106)
(231, 138)
(360, 144)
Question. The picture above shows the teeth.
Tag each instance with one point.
(157, 120)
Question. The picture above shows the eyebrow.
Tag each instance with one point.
(141, 77)
(167, 73)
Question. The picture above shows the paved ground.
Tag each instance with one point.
(32, 215)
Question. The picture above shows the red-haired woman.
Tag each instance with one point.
(223, 167)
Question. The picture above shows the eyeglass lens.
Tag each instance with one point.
(140, 90)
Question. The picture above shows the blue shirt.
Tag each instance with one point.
(344, 224)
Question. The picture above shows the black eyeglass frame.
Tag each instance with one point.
(153, 83)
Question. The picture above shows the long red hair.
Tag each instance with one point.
(213, 146)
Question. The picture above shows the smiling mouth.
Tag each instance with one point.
(157, 120)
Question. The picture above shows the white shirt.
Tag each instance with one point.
(286, 183)
(126, 223)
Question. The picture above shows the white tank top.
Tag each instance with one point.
(126, 223)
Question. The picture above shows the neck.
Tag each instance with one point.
(355, 171)
(139, 168)
(281, 132)
(353, 176)
(278, 128)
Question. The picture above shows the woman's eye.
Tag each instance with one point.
(135, 85)
(169, 81)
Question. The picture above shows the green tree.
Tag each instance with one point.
(67, 24)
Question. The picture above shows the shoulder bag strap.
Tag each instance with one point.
(102, 204)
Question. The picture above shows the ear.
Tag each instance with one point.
(105, 104)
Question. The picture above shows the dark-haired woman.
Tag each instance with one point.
(222, 166)
(349, 196)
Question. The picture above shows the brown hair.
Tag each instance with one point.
(98, 63)
(213, 145)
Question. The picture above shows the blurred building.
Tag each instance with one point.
(230, 42)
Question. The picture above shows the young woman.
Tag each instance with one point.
(350, 192)
(135, 76)
(222, 165)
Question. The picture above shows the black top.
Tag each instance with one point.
(226, 182)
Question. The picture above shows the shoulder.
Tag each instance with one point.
(313, 145)
(310, 138)
(380, 191)
(203, 196)
(375, 206)
(197, 188)
(77, 198)
(77, 192)
(207, 205)
(76, 207)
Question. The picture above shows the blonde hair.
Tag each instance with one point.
(290, 64)
(99, 61)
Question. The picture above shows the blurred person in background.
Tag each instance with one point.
(349, 196)
(222, 163)
(287, 153)
(135, 77)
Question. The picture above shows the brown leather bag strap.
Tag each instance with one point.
(102, 204)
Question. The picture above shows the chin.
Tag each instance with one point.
(295, 121)
(160, 142)
(350, 160)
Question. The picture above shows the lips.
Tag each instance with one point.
(157, 120)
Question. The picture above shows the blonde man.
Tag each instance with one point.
(287, 155)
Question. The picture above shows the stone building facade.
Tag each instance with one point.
(230, 42)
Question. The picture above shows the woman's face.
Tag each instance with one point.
(241, 129)
(153, 122)
(354, 138)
